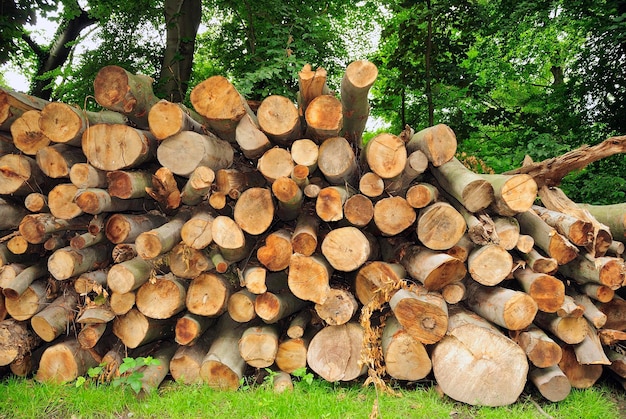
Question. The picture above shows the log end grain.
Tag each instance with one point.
(346, 248)
(393, 215)
(440, 226)
(254, 210)
(386, 155)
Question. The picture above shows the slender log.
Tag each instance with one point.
(61, 201)
(579, 375)
(342, 363)
(30, 302)
(37, 228)
(208, 294)
(592, 313)
(128, 275)
(465, 359)
(197, 188)
(191, 327)
(290, 198)
(92, 281)
(525, 243)
(405, 358)
(184, 152)
(95, 315)
(311, 84)
(424, 316)
(437, 142)
(166, 119)
(540, 263)
(355, 85)
(221, 104)
(605, 270)
(579, 232)
(570, 330)
(570, 308)
(274, 306)
(610, 337)
(615, 311)
(90, 334)
(305, 152)
(309, 277)
(222, 367)
(13, 285)
(241, 306)
(14, 104)
(462, 248)
(467, 187)
(433, 269)
(17, 340)
(440, 226)
(125, 228)
(394, 215)
(338, 308)
(84, 175)
(546, 290)
(128, 184)
(618, 362)
(416, 164)
(590, 350)
(613, 216)
(299, 324)
(324, 118)
(19, 175)
(542, 351)
(512, 193)
(251, 140)
(547, 238)
(64, 362)
(36, 202)
(304, 237)
(421, 195)
(97, 201)
(27, 135)
(56, 160)
(135, 329)
(54, 320)
(230, 238)
(153, 375)
(160, 240)
(117, 147)
(616, 249)
(254, 211)
(551, 382)
(513, 310)
(348, 248)
(162, 297)
(600, 293)
(66, 262)
(489, 264)
(454, 292)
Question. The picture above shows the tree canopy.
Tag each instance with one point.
(512, 78)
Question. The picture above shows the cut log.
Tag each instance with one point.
(386, 155)
(97, 201)
(613, 216)
(467, 187)
(198, 187)
(525, 243)
(540, 263)
(162, 297)
(128, 184)
(570, 330)
(152, 375)
(241, 306)
(117, 147)
(187, 262)
(187, 360)
(615, 311)
(13, 285)
(329, 203)
(547, 238)
(337, 161)
(551, 382)
(454, 292)
(66, 262)
(440, 226)
(324, 118)
(376, 277)
(84, 175)
(19, 175)
(489, 264)
(95, 315)
(37, 228)
(27, 135)
(371, 185)
(311, 84)
(274, 306)
(258, 345)
(309, 277)
(592, 313)
(208, 294)
(605, 270)
(305, 152)
(275, 163)
(55, 319)
(462, 249)
(542, 351)
(128, 275)
(29, 303)
(56, 160)
(254, 210)
(464, 362)
(355, 85)
(405, 358)
(416, 164)
(135, 329)
(36, 202)
(438, 143)
(342, 363)
(278, 118)
(507, 229)
(513, 310)
(230, 239)
(599, 293)
(424, 316)
(125, 228)
(61, 201)
(348, 248)
(579, 375)
(579, 232)
(122, 303)
(394, 215)
(64, 362)
(590, 350)
(191, 327)
(251, 140)
(304, 237)
(184, 152)
(358, 210)
(299, 324)
(433, 269)
(292, 353)
(14, 104)
(92, 281)
(167, 119)
(276, 252)
(339, 308)
(512, 193)
(221, 104)
(546, 290)
(17, 341)
(162, 239)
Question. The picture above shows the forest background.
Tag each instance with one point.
(511, 78)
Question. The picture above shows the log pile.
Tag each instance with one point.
(225, 238)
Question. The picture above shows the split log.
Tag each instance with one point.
(125, 228)
(513, 310)
(258, 345)
(184, 152)
(512, 193)
(613, 216)
(605, 270)
(64, 362)
(437, 142)
(386, 155)
(130, 94)
(221, 104)
(135, 329)
(547, 238)
(222, 367)
(405, 358)
(467, 187)
(440, 226)
(579, 232)
(254, 210)
(27, 135)
(311, 84)
(358, 210)
(424, 316)
(84, 175)
(309, 277)
(64, 124)
(161, 298)
(324, 118)
(579, 375)
(338, 308)
(208, 294)
(17, 340)
(162, 239)
(117, 147)
(355, 85)
(167, 119)
(190, 328)
(56, 160)
(394, 215)
(251, 140)
(337, 161)
(551, 382)
(278, 118)
(343, 362)
(272, 307)
(464, 362)
(54, 320)
(19, 175)
(348, 248)
(542, 351)
(546, 290)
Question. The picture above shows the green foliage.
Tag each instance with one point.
(129, 373)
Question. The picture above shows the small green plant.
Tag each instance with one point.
(269, 378)
(129, 374)
(303, 375)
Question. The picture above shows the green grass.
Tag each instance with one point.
(21, 398)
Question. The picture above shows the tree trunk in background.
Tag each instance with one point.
(182, 19)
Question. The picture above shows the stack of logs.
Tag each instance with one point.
(232, 237)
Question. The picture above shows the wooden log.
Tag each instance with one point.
(162, 239)
(579, 375)
(135, 329)
(309, 277)
(167, 119)
(56, 160)
(454, 293)
(198, 186)
(547, 238)
(512, 193)
(605, 270)
(17, 340)
(61, 201)
(394, 215)
(208, 294)
(462, 248)
(489, 264)
(97, 201)
(551, 382)
(507, 230)
(615, 311)
(27, 135)
(540, 263)
(546, 290)
(229, 238)
(305, 152)
(337, 161)
(29, 303)
(355, 85)
(19, 175)
(221, 104)
(95, 315)
(610, 337)
(254, 210)
(329, 203)
(275, 163)
(130, 94)
(278, 118)
(600, 293)
(386, 155)
(122, 303)
(591, 313)
(348, 248)
(542, 351)
(304, 237)
(513, 310)
(274, 306)
(128, 275)
(258, 345)
(467, 187)
(184, 152)
(152, 375)
(438, 143)
(54, 320)
(416, 164)
(613, 216)
(84, 175)
(371, 185)
(190, 328)
(161, 298)
(117, 146)
(465, 359)
(292, 353)
(92, 281)
(222, 367)
(187, 360)
(241, 306)
(570, 308)
(590, 350)
(251, 140)
(128, 184)
(358, 210)
(579, 232)
(376, 276)
(187, 262)
(571, 330)
(37, 228)
(433, 269)
(125, 228)
(64, 124)
(339, 308)
(276, 251)
(342, 363)
(618, 362)
(440, 226)
(525, 243)
(616, 249)
(66, 262)
(299, 324)
(405, 358)
(36, 202)
(11, 214)
(14, 104)
(64, 362)
(324, 118)
(424, 316)
(311, 84)
(13, 285)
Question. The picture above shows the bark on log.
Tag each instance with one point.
(547, 238)
(470, 189)
(512, 193)
(125, 228)
(84, 175)
(184, 152)
(546, 290)
(433, 269)
(129, 275)
(324, 118)
(613, 216)
(274, 306)
(187, 360)
(14, 104)
(342, 363)
(162, 239)
(540, 263)
(190, 329)
(64, 362)
(117, 147)
(13, 285)
(37, 228)
(128, 184)
(551, 382)
(590, 351)
(579, 232)
(251, 140)
(154, 374)
(30, 302)
(424, 316)
(542, 351)
(167, 119)
(405, 358)
(54, 320)
(464, 362)
(135, 329)
(198, 187)
(507, 230)
(355, 85)
(162, 298)
(437, 142)
(606, 270)
(66, 262)
(56, 160)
